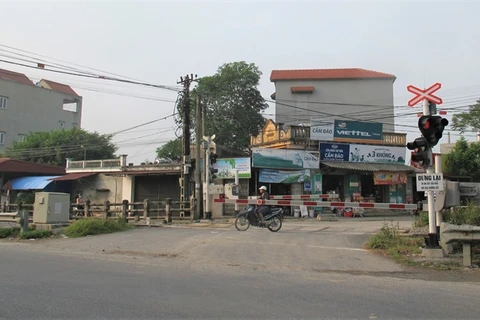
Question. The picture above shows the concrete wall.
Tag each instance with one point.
(100, 188)
(33, 109)
(348, 94)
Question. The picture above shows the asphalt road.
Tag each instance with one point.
(306, 271)
(54, 286)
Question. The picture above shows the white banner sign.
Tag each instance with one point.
(322, 130)
(371, 153)
(429, 181)
(285, 159)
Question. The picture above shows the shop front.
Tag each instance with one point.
(365, 173)
(285, 171)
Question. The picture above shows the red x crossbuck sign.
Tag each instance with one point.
(426, 94)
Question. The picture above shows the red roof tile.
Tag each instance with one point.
(15, 77)
(59, 87)
(321, 74)
(14, 165)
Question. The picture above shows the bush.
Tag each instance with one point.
(390, 240)
(35, 234)
(469, 214)
(90, 227)
(8, 232)
(421, 220)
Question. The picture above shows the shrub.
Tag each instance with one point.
(469, 214)
(421, 220)
(8, 232)
(90, 227)
(390, 240)
(35, 234)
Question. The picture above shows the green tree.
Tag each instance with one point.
(233, 104)
(54, 147)
(172, 150)
(467, 120)
(464, 159)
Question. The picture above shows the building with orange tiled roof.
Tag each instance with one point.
(344, 94)
(27, 107)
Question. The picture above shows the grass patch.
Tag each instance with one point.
(90, 227)
(9, 232)
(400, 248)
(36, 234)
(30, 234)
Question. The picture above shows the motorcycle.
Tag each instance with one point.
(273, 220)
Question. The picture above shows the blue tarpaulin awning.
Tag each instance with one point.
(31, 183)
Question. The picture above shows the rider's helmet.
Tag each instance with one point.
(263, 188)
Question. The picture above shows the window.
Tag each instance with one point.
(62, 124)
(22, 137)
(2, 137)
(3, 102)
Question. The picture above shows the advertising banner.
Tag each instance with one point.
(334, 152)
(322, 130)
(317, 183)
(285, 159)
(382, 154)
(355, 131)
(287, 177)
(227, 166)
(389, 178)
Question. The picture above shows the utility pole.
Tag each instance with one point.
(198, 169)
(186, 164)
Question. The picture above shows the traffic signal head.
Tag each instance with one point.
(432, 128)
(422, 151)
(213, 158)
(212, 173)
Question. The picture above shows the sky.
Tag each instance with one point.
(156, 42)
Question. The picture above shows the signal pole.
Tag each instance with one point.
(185, 176)
(432, 228)
(198, 169)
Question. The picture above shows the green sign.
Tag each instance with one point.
(355, 131)
(317, 184)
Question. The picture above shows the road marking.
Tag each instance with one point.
(307, 246)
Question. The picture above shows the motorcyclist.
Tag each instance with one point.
(262, 209)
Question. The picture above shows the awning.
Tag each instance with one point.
(74, 176)
(31, 183)
(369, 166)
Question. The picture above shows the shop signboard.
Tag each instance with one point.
(334, 152)
(227, 166)
(379, 154)
(322, 130)
(355, 131)
(346, 131)
(285, 159)
(287, 177)
(389, 178)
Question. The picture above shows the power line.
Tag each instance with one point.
(94, 76)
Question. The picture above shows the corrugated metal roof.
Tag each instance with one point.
(31, 183)
(369, 166)
(74, 176)
(15, 165)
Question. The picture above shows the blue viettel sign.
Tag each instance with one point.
(355, 131)
(334, 152)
